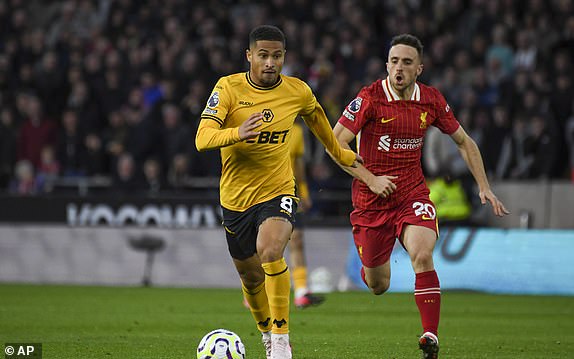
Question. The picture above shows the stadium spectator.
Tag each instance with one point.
(114, 138)
(36, 132)
(70, 148)
(126, 176)
(95, 155)
(498, 132)
(178, 174)
(48, 170)
(175, 134)
(153, 182)
(24, 182)
(545, 148)
(8, 139)
(140, 139)
(502, 49)
(113, 95)
(516, 151)
(82, 101)
(452, 204)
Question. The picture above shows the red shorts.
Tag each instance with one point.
(376, 231)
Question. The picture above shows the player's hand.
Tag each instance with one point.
(383, 185)
(358, 160)
(248, 128)
(497, 206)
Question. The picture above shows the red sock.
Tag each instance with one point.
(363, 276)
(427, 297)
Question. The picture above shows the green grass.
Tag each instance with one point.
(119, 322)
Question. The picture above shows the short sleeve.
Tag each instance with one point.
(357, 112)
(445, 120)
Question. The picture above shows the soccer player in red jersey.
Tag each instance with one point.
(389, 119)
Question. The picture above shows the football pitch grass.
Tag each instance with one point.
(130, 322)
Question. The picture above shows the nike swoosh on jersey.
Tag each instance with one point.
(387, 120)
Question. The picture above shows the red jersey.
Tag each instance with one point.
(390, 134)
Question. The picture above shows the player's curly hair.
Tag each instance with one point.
(409, 40)
(266, 32)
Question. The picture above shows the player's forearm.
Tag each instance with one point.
(359, 172)
(319, 125)
(471, 155)
(209, 138)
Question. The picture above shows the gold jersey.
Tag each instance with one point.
(297, 143)
(256, 170)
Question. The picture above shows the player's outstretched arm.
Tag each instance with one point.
(210, 136)
(380, 185)
(471, 155)
(319, 124)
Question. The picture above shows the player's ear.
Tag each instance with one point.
(420, 70)
(248, 55)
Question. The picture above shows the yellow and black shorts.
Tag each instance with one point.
(241, 228)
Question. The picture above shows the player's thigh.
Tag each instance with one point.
(272, 238)
(418, 239)
(276, 219)
(419, 242)
(417, 228)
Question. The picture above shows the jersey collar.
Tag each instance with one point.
(392, 95)
(248, 77)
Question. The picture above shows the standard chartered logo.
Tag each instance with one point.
(400, 144)
(384, 143)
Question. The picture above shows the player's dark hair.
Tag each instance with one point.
(266, 32)
(409, 40)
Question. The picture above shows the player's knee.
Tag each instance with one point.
(252, 278)
(270, 254)
(423, 260)
(380, 286)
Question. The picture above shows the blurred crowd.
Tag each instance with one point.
(115, 88)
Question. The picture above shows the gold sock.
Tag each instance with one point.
(299, 275)
(278, 287)
(259, 306)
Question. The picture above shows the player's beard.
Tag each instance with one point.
(269, 79)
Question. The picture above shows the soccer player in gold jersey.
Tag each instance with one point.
(303, 296)
(249, 117)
